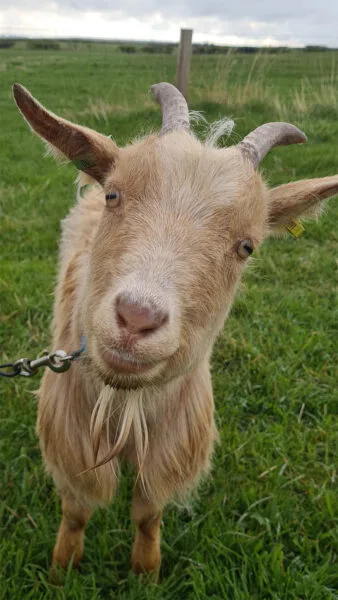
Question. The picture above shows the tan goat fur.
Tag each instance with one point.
(173, 239)
(177, 408)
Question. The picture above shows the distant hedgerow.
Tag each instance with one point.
(129, 49)
(7, 43)
(42, 45)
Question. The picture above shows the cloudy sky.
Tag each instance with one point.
(258, 22)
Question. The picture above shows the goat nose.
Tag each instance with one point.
(137, 317)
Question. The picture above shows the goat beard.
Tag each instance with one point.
(131, 420)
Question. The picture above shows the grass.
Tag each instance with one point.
(265, 525)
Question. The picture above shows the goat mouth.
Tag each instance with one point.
(122, 362)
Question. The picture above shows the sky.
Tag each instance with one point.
(230, 22)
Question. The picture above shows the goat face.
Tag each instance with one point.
(168, 255)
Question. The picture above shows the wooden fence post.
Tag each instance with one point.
(183, 62)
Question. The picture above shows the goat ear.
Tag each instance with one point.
(90, 151)
(299, 199)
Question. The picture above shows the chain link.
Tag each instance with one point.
(58, 361)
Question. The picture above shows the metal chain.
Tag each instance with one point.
(58, 361)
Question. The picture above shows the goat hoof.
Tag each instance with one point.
(56, 574)
(148, 567)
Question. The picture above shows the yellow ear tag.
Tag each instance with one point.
(295, 227)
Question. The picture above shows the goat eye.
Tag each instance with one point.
(245, 248)
(113, 199)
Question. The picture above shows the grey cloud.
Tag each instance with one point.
(257, 10)
(308, 21)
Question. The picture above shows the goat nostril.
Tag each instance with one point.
(121, 321)
(163, 319)
(146, 331)
(151, 328)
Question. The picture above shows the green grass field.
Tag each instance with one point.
(264, 526)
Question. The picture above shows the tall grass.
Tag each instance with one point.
(236, 82)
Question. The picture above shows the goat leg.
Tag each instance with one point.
(70, 539)
(146, 554)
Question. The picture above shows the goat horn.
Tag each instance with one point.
(260, 141)
(174, 107)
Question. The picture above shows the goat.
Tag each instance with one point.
(151, 256)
